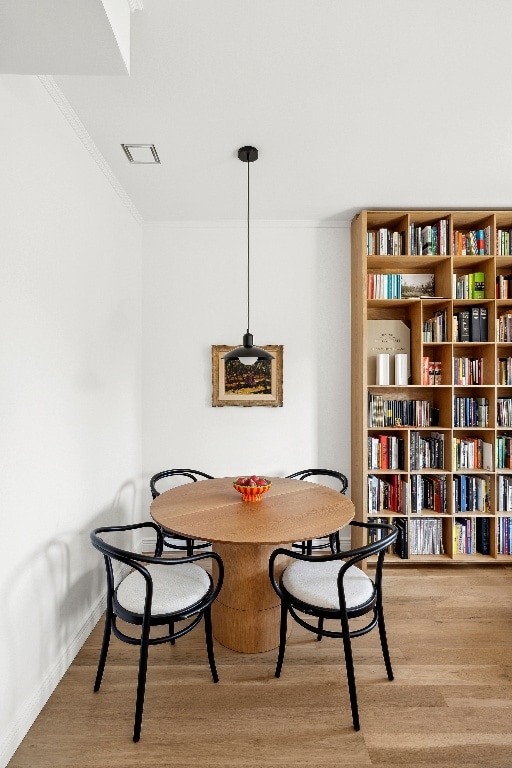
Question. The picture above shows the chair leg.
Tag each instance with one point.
(209, 643)
(309, 547)
(190, 547)
(282, 638)
(351, 678)
(104, 646)
(384, 644)
(171, 632)
(320, 628)
(141, 685)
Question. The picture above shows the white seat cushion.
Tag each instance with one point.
(317, 584)
(175, 587)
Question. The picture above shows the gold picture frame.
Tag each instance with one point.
(236, 384)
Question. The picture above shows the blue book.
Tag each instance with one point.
(463, 479)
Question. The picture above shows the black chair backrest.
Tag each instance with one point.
(138, 561)
(305, 473)
(191, 474)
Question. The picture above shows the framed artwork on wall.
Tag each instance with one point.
(234, 383)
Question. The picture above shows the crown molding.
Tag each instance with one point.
(76, 124)
(255, 224)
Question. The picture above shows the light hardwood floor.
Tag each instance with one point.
(450, 705)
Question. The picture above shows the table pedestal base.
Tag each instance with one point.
(246, 614)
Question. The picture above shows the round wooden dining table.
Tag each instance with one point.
(246, 614)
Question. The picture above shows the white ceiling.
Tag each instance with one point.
(351, 103)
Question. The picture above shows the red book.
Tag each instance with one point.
(425, 371)
(384, 451)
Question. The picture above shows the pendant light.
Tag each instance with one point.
(248, 354)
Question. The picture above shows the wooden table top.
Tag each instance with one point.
(291, 510)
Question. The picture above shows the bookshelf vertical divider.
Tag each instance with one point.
(434, 455)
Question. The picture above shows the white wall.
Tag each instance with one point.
(73, 453)
(194, 295)
(69, 392)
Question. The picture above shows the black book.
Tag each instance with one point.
(483, 535)
(402, 543)
(474, 324)
(463, 316)
(484, 327)
(401, 453)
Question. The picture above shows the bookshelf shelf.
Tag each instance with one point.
(452, 492)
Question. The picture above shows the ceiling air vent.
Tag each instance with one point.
(141, 153)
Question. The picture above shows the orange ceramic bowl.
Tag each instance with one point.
(251, 493)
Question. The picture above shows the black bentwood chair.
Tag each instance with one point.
(307, 547)
(333, 587)
(171, 541)
(156, 591)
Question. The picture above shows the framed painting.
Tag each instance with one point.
(237, 384)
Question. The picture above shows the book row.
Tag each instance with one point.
(424, 536)
(504, 493)
(475, 242)
(467, 412)
(470, 411)
(504, 242)
(385, 452)
(432, 240)
(435, 328)
(428, 492)
(468, 371)
(399, 285)
(471, 324)
(419, 537)
(471, 494)
(390, 495)
(464, 536)
(504, 411)
(472, 453)
(504, 452)
(504, 371)
(504, 327)
(504, 535)
(470, 286)
(428, 452)
(431, 372)
(503, 286)
(385, 242)
(401, 413)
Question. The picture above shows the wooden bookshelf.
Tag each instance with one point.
(467, 497)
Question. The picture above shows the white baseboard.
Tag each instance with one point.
(28, 712)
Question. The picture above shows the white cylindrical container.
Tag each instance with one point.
(382, 369)
(401, 377)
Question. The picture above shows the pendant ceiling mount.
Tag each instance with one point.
(248, 354)
(247, 154)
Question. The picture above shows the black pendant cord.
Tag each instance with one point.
(248, 243)
(248, 353)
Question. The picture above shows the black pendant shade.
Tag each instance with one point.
(248, 350)
(248, 353)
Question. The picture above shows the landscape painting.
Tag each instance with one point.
(234, 383)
